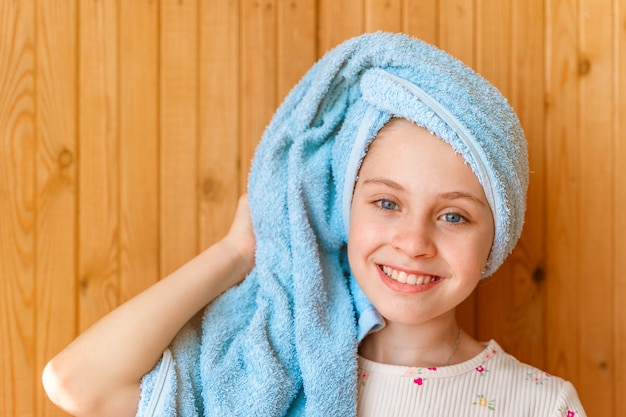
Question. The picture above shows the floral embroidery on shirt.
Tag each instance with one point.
(363, 375)
(537, 376)
(489, 354)
(567, 412)
(481, 370)
(486, 357)
(415, 374)
(483, 401)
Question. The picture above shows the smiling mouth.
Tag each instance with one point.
(410, 279)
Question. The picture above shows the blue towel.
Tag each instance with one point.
(284, 342)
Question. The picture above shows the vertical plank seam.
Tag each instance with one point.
(577, 279)
(159, 136)
(616, 13)
(544, 185)
(198, 178)
(36, 72)
(240, 94)
(77, 133)
(118, 134)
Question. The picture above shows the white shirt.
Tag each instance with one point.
(493, 383)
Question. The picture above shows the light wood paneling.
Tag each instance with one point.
(596, 193)
(127, 130)
(56, 181)
(421, 19)
(138, 147)
(338, 21)
(178, 133)
(619, 273)
(563, 281)
(383, 15)
(17, 208)
(258, 74)
(219, 118)
(98, 162)
(297, 43)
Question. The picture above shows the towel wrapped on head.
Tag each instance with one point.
(284, 342)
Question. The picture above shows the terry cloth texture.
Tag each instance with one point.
(284, 342)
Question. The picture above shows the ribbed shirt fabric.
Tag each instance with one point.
(493, 383)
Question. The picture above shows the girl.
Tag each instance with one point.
(390, 181)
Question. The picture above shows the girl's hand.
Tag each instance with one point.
(240, 237)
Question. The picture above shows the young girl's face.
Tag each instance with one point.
(420, 226)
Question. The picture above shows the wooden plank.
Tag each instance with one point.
(338, 21)
(383, 15)
(139, 146)
(595, 72)
(527, 94)
(563, 280)
(17, 208)
(511, 308)
(493, 42)
(456, 36)
(457, 29)
(179, 133)
(619, 352)
(619, 271)
(258, 99)
(56, 258)
(219, 118)
(297, 42)
(421, 19)
(98, 194)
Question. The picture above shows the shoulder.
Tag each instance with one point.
(532, 387)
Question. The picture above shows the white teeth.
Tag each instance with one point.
(405, 278)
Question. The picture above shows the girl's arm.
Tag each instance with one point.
(99, 373)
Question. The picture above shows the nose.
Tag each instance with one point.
(415, 238)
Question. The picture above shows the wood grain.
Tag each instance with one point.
(139, 146)
(562, 234)
(383, 15)
(17, 208)
(259, 97)
(219, 118)
(596, 81)
(57, 185)
(421, 19)
(338, 21)
(98, 162)
(457, 29)
(178, 123)
(619, 261)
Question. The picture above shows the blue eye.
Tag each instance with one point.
(453, 218)
(387, 205)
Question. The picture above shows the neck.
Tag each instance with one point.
(424, 345)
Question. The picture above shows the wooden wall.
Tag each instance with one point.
(127, 127)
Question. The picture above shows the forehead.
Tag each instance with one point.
(402, 138)
(413, 156)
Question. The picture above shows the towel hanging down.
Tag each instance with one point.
(284, 342)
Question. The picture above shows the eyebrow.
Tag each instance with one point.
(383, 181)
(452, 195)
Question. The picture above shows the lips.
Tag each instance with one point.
(408, 278)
